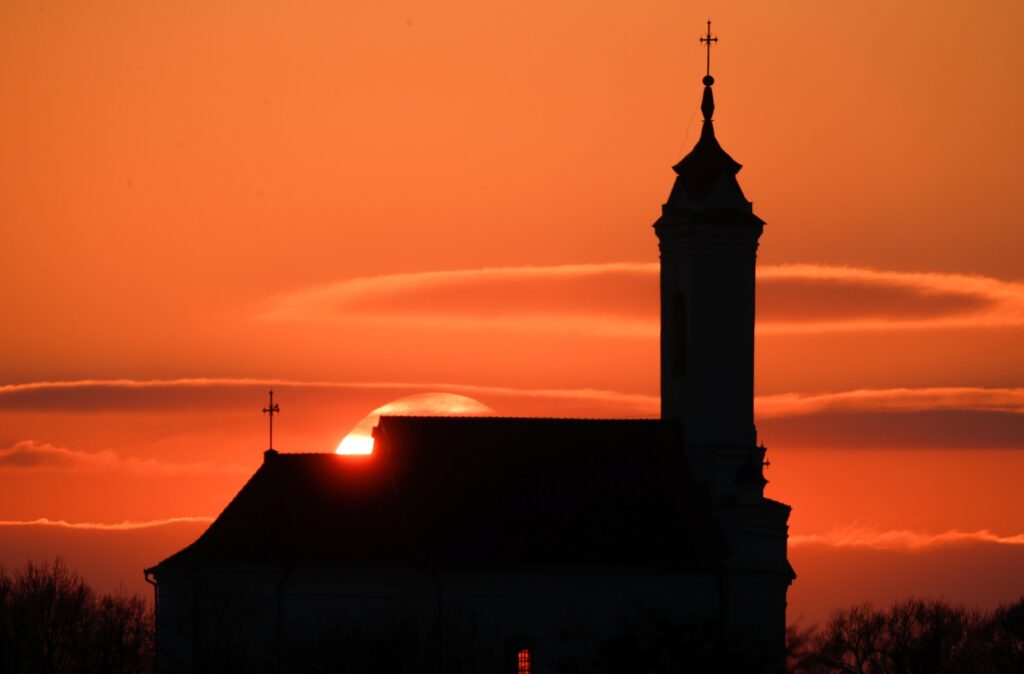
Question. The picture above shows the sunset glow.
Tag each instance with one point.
(432, 208)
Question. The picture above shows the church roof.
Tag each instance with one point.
(473, 492)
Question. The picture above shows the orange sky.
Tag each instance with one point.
(363, 202)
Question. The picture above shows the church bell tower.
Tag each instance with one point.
(708, 237)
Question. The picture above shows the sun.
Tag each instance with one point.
(355, 444)
(359, 440)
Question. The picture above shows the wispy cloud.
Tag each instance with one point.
(126, 525)
(621, 300)
(803, 298)
(29, 455)
(114, 393)
(88, 394)
(926, 418)
(613, 299)
(901, 539)
(1009, 400)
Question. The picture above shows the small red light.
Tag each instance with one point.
(523, 660)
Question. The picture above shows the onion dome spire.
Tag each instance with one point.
(707, 175)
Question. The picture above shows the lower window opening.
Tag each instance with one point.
(523, 661)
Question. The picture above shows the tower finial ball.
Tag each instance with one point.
(708, 80)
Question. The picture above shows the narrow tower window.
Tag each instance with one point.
(679, 354)
(523, 661)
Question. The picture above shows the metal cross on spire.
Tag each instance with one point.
(707, 39)
(271, 410)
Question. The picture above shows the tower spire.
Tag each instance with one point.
(707, 163)
(708, 39)
(707, 103)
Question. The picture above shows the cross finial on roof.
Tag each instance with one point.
(707, 40)
(271, 410)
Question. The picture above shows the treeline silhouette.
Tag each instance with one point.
(51, 622)
(911, 637)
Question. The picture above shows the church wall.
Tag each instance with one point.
(260, 620)
(558, 615)
(212, 623)
(387, 619)
(756, 613)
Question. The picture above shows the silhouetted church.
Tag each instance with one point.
(523, 545)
